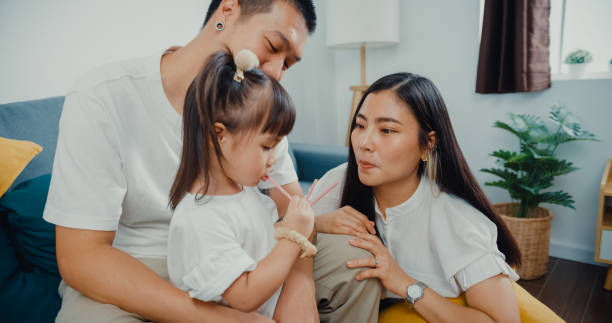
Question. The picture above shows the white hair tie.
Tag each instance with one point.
(244, 60)
(308, 249)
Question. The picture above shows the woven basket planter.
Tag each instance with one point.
(532, 234)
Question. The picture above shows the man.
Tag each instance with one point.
(117, 154)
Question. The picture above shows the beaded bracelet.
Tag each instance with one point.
(308, 249)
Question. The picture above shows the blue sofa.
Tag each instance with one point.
(28, 271)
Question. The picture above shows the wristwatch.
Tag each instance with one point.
(415, 292)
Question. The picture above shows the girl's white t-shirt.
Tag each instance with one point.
(436, 238)
(212, 241)
(117, 155)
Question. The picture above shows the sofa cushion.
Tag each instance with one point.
(16, 154)
(313, 161)
(28, 271)
(34, 237)
(293, 160)
(36, 121)
(530, 308)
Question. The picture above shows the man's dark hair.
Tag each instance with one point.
(251, 7)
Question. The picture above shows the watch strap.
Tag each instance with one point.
(412, 300)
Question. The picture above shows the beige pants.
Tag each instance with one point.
(79, 308)
(340, 297)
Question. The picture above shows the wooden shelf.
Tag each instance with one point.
(606, 221)
(606, 180)
(607, 191)
(603, 247)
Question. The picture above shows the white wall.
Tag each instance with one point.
(45, 45)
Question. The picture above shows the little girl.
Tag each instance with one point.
(221, 243)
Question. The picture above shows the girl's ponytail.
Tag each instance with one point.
(255, 102)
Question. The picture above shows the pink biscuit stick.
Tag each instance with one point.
(311, 189)
(282, 190)
(324, 193)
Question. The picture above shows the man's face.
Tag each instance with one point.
(277, 37)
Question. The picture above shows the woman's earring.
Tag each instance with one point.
(219, 25)
(431, 169)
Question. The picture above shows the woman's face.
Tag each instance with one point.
(386, 140)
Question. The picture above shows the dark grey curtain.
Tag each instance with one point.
(514, 47)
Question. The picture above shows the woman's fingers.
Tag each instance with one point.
(368, 237)
(345, 229)
(356, 225)
(345, 220)
(367, 224)
(370, 226)
(362, 262)
(362, 220)
(370, 273)
(364, 244)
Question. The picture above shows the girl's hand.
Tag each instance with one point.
(387, 270)
(299, 216)
(344, 220)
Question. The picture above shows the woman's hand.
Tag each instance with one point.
(383, 266)
(299, 216)
(344, 220)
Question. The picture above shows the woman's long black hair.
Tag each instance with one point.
(453, 174)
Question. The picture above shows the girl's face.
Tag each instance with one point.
(248, 157)
(385, 141)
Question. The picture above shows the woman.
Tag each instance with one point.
(436, 234)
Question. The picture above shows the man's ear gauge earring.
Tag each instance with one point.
(219, 26)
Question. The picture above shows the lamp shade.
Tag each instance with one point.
(352, 23)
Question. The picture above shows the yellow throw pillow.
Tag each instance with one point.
(530, 308)
(16, 154)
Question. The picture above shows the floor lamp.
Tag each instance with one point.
(352, 24)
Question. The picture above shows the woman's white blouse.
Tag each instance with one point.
(438, 239)
(213, 241)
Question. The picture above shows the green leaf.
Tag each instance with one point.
(502, 173)
(507, 127)
(503, 154)
(528, 173)
(559, 198)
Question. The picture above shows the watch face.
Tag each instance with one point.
(414, 291)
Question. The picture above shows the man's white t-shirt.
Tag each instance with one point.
(214, 240)
(117, 155)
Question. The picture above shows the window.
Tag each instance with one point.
(581, 24)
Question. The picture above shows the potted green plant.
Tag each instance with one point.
(576, 61)
(527, 175)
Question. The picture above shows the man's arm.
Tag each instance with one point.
(297, 300)
(90, 264)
